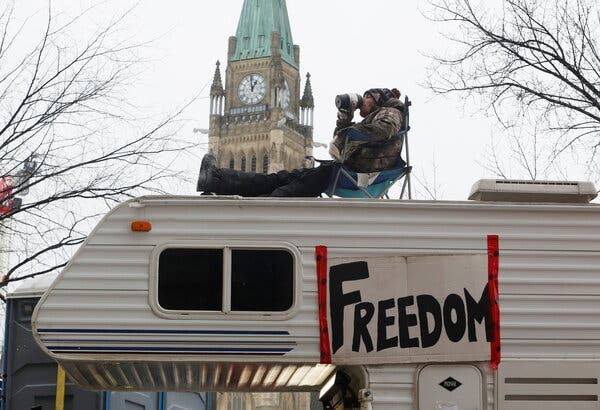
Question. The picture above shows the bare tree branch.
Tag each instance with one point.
(534, 64)
(68, 146)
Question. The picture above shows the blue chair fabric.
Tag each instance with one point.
(347, 185)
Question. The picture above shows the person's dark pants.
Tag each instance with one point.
(306, 182)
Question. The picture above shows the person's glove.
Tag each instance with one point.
(344, 116)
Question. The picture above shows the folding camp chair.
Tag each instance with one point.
(346, 183)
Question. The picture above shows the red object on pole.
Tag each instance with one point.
(321, 256)
(493, 263)
(6, 198)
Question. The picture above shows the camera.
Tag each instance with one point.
(348, 102)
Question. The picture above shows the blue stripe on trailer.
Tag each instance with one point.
(239, 342)
(85, 349)
(194, 354)
(170, 332)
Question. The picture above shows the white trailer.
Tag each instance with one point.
(223, 293)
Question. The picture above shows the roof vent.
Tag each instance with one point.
(506, 190)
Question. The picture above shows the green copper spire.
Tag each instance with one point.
(258, 20)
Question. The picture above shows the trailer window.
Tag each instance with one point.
(261, 280)
(191, 279)
(226, 279)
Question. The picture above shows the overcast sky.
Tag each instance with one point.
(346, 45)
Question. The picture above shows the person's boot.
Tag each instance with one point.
(231, 182)
(225, 181)
(206, 177)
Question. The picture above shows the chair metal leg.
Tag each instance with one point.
(402, 192)
(335, 181)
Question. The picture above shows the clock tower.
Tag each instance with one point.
(258, 121)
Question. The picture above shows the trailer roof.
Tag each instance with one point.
(34, 287)
(182, 199)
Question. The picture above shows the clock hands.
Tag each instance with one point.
(251, 89)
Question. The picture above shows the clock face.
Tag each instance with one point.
(285, 95)
(252, 89)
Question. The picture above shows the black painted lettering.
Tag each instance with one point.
(405, 322)
(383, 321)
(428, 304)
(338, 300)
(455, 330)
(477, 312)
(363, 313)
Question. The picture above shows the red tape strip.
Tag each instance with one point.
(493, 263)
(321, 256)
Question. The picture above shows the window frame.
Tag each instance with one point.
(227, 247)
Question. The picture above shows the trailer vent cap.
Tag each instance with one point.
(506, 190)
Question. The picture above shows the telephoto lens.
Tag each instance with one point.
(348, 102)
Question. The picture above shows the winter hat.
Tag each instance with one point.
(381, 95)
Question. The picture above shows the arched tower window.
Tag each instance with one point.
(243, 167)
(253, 164)
(266, 164)
(231, 163)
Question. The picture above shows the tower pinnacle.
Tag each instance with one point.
(217, 85)
(217, 93)
(307, 104)
(307, 100)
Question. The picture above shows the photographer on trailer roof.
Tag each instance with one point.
(381, 110)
